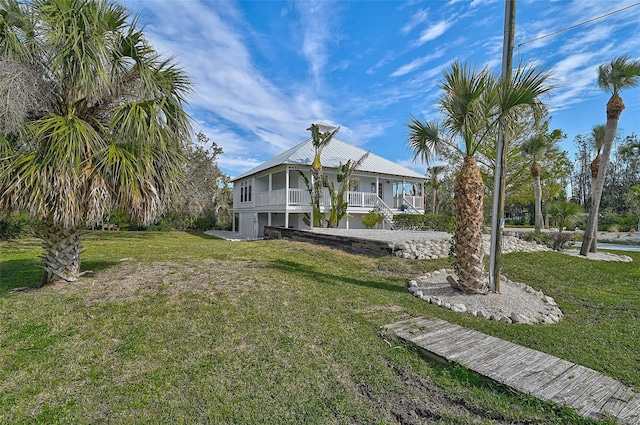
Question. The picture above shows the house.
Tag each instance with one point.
(275, 194)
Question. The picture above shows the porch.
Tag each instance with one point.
(302, 198)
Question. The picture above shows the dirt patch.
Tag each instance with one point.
(131, 281)
(423, 402)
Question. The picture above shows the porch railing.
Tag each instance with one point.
(408, 201)
(361, 199)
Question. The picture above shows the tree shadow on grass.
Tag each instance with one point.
(333, 279)
(28, 273)
(19, 274)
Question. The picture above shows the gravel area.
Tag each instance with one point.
(392, 236)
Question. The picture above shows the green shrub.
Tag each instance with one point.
(537, 237)
(558, 241)
(438, 223)
(163, 225)
(610, 220)
(17, 226)
(371, 219)
(562, 240)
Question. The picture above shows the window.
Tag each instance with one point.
(245, 191)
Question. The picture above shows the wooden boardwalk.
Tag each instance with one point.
(541, 375)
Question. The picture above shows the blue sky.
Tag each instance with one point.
(264, 70)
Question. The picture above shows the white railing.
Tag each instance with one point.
(408, 201)
(361, 199)
(299, 197)
(262, 198)
(384, 209)
(410, 206)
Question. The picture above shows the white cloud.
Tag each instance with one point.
(479, 3)
(417, 63)
(433, 32)
(316, 27)
(232, 91)
(416, 19)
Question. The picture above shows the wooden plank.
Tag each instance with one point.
(618, 401)
(489, 367)
(474, 351)
(561, 381)
(593, 399)
(496, 348)
(442, 346)
(631, 413)
(516, 363)
(579, 385)
(540, 378)
(436, 335)
(518, 374)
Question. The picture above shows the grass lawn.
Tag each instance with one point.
(184, 328)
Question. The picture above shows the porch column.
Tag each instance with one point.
(269, 219)
(311, 220)
(286, 219)
(286, 187)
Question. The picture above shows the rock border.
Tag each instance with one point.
(548, 315)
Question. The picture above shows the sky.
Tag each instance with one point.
(263, 71)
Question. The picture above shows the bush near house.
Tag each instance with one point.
(622, 222)
(437, 223)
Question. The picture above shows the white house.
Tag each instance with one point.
(274, 193)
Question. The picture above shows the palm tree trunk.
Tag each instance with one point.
(537, 192)
(435, 195)
(62, 257)
(468, 218)
(595, 167)
(615, 106)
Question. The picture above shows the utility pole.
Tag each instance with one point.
(497, 216)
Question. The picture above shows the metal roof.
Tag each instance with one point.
(332, 155)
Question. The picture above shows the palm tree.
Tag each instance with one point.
(319, 139)
(95, 121)
(565, 213)
(621, 73)
(435, 184)
(536, 148)
(472, 102)
(597, 139)
(338, 206)
(463, 104)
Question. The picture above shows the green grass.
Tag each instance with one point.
(184, 328)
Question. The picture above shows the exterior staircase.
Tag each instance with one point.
(384, 210)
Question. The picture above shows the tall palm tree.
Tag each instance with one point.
(319, 139)
(597, 139)
(96, 121)
(621, 73)
(435, 184)
(472, 103)
(537, 148)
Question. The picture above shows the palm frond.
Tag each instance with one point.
(621, 73)
(424, 139)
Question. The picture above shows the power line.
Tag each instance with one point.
(580, 24)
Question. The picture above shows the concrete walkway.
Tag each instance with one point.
(533, 372)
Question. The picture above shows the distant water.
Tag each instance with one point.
(613, 246)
